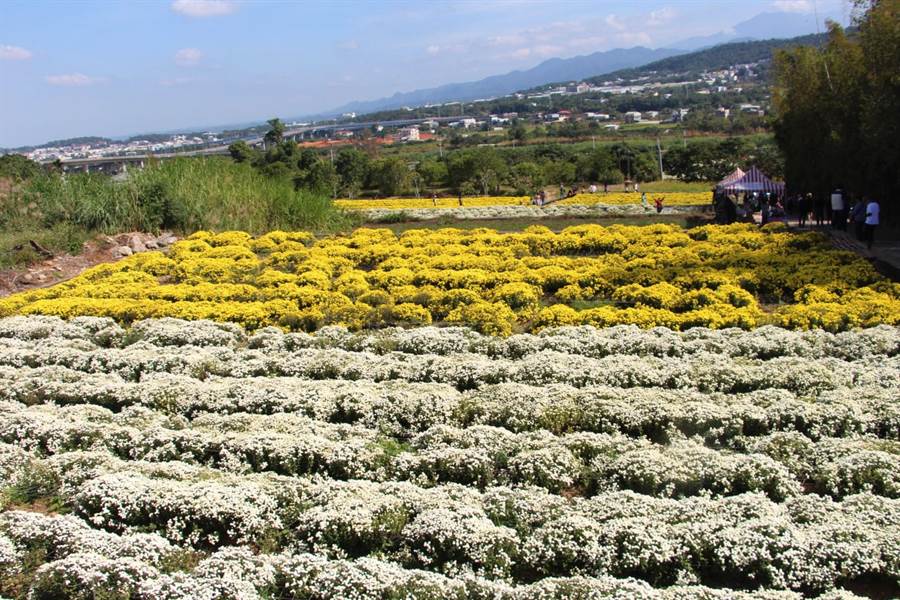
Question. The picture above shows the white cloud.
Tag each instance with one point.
(793, 6)
(348, 45)
(14, 53)
(614, 22)
(506, 40)
(72, 80)
(661, 16)
(433, 49)
(521, 53)
(188, 57)
(204, 8)
(633, 38)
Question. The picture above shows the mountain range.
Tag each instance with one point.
(763, 26)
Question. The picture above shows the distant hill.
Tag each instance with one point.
(66, 142)
(763, 26)
(554, 69)
(717, 57)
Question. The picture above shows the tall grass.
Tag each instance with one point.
(184, 194)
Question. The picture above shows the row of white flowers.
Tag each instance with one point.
(290, 444)
(703, 371)
(402, 409)
(234, 573)
(379, 215)
(763, 342)
(513, 534)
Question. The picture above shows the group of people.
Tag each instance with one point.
(863, 212)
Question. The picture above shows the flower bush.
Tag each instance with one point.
(497, 283)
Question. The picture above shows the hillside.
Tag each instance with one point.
(717, 57)
(554, 69)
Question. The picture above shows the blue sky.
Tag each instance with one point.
(117, 68)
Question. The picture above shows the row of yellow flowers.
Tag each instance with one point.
(612, 199)
(659, 275)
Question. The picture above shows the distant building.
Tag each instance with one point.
(597, 116)
(633, 116)
(408, 134)
(611, 126)
(578, 88)
(652, 114)
(722, 112)
(430, 124)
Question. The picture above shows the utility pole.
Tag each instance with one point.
(659, 152)
(593, 143)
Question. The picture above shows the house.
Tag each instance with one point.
(652, 114)
(722, 112)
(611, 126)
(408, 134)
(430, 124)
(577, 88)
(597, 116)
(468, 123)
(632, 116)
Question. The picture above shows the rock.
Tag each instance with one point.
(166, 239)
(151, 244)
(136, 243)
(122, 251)
(27, 278)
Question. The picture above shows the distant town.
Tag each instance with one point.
(610, 104)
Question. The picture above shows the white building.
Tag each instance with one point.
(611, 126)
(632, 116)
(652, 114)
(408, 134)
(597, 116)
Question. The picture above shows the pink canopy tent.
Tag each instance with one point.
(733, 176)
(752, 181)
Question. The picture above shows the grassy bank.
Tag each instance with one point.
(183, 195)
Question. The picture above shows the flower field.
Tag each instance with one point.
(607, 199)
(497, 283)
(200, 460)
(624, 198)
(536, 213)
(604, 412)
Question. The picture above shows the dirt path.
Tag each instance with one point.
(59, 268)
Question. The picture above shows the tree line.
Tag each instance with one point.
(351, 171)
(838, 109)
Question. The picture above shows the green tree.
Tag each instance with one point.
(241, 151)
(837, 109)
(275, 134)
(390, 175)
(528, 177)
(352, 166)
(18, 167)
(432, 172)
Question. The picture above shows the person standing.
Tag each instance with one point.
(858, 218)
(644, 201)
(873, 216)
(460, 198)
(434, 199)
(562, 190)
(637, 186)
(803, 208)
(659, 204)
(838, 214)
(819, 210)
